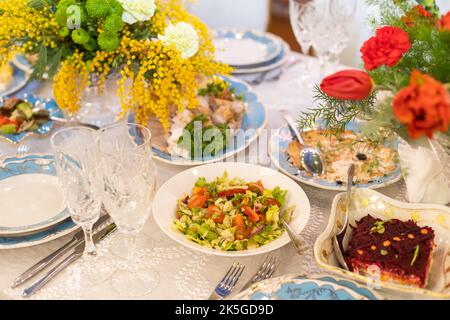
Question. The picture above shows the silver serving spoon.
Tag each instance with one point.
(341, 237)
(310, 158)
(298, 242)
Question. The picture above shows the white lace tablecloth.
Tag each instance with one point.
(184, 274)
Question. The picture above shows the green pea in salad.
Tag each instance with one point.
(232, 214)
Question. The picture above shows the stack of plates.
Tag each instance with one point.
(33, 209)
(251, 53)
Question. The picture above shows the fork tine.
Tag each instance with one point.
(228, 272)
(242, 267)
(272, 269)
(232, 276)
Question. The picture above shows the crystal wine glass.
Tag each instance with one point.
(330, 35)
(301, 17)
(130, 185)
(79, 172)
(130, 181)
(123, 138)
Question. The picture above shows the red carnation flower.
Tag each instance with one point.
(423, 106)
(444, 22)
(387, 47)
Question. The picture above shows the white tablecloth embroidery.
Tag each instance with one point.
(184, 274)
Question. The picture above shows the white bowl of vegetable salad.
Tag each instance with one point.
(230, 209)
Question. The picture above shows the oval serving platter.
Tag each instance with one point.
(278, 145)
(254, 121)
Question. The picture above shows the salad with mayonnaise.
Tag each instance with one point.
(232, 214)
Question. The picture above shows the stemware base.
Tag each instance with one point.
(96, 270)
(136, 283)
(120, 247)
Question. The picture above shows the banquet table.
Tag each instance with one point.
(183, 273)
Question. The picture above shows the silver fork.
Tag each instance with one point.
(228, 282)
(266, 271)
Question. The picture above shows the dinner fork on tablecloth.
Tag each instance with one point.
(228, 282)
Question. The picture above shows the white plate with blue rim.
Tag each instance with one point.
(23, 63)
(278, 146)
(311, 287)
(271, 65)
(254, 121)
(31, 197)
(246, 48)
(43, 129)
(19, 80)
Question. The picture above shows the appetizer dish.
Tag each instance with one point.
(232, 214)
(221, 111)
(373, 160)
(17, 116)
(6, 76)
(402, 250)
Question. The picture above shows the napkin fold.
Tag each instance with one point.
(424, 175)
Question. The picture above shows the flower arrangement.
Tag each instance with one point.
(158, 50)
(405, 86)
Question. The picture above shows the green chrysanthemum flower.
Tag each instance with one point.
(112, 24)
(66, 3)
(116, 8)
(80, 36)
(108, 42)
(64, 32)
(91, 45)
(98, 8)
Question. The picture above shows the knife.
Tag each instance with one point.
(41, 265)
(75, 255)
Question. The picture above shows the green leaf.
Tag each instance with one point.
(54, 62)
(41, 64)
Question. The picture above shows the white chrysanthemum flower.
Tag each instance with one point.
(184, 37)
(137, 10)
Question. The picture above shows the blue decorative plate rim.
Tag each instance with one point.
(308, 287)
(269, 66)
(20, 80)
(60, 230)
(30, 164)
(256, 112)
(346, 283)
(45, 128)
(283, 137)
(272, 42)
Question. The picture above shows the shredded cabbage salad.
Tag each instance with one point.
(232, 214)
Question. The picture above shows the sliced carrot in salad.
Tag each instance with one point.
(249, 212)
(198, 201)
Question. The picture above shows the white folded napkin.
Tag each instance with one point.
(424, 175)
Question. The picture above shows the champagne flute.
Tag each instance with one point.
(79, 172)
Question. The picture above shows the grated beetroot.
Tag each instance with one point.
(392, 246)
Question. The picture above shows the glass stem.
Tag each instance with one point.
(131, 243)
(89, 249)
